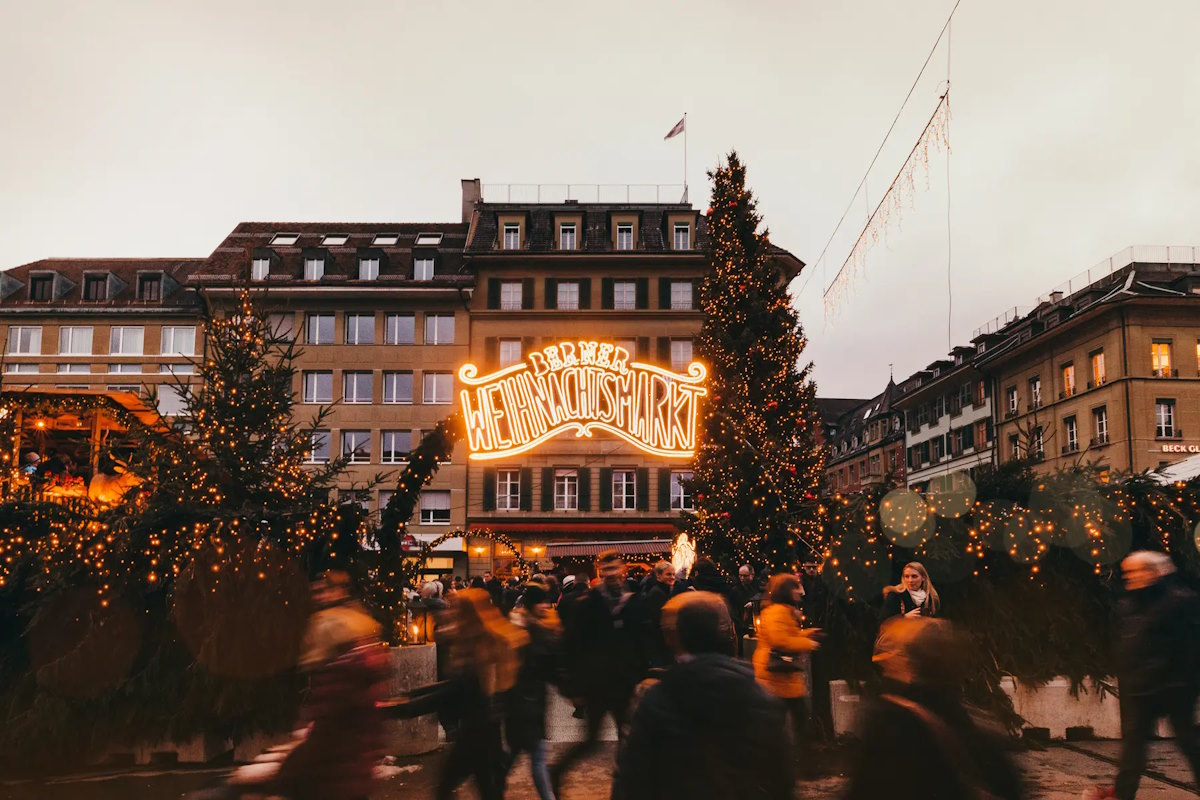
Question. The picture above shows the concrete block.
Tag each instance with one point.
(846, 707)
(1052, 707)
(413, 666)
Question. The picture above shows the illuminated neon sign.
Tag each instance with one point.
(581, 386)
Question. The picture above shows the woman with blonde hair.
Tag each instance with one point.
(781, 641)
(485, 659)
(914, 596)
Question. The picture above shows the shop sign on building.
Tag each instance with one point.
(1181, 448)
(581, 387)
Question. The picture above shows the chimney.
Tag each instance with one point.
(1056, 297)
(472, 193)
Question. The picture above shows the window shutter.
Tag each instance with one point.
(664, 350)
(664, 292)
(528, 345)
(493, 299)
(526, 489)
(526, 293)
(606, 488)
(551, 293)
(585, 489)
(643, 292)
(664, 489)
(585, 293)
(696, 293)
(643, 489)
(643, 347)
(991, 430)
(547, 488)
(489, 489)
(606, 293)
(491, 352)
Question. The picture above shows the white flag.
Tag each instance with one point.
(678, 129)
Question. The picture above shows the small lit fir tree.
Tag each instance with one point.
(758, 466)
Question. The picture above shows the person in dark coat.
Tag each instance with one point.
(525, 727)
(913, 597)
(705, 728)
(656, 595)
(918, 742)
(495, 588)
(605, 655)
(1158, 656)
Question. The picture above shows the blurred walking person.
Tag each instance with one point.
(484, 662)
(918, 742)
(705, 728)
(525, 729)
(1157, 649)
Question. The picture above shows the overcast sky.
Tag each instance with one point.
(151, 129)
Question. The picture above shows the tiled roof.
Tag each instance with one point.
(249, 240)
(121, 285)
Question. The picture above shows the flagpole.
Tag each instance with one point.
(685, 183)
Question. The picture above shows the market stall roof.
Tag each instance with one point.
(1179, 471)
(624, 546)
(126, 401)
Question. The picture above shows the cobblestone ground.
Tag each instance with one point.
(1058, 773)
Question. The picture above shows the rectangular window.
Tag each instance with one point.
(681, 296)
(566, 236)
(41, 288)
(178, 340)
(358, 497)
(314, 269)
(1014, 446)
(136, 369)
(125, 387)
(624, 235)
(397, 387)
(1068, 380)
(681, 354)
(939, 406)
(95, 288)
(437, 387)
(1035, 392)
(284, 239)
(435, 507)
(566, 490)
(568, 296)
(681, 496)
(360, 329)
(356, 446)
(511, 296)
(149, 288)
(1037, 444)
(683, 236)
(439, 329)
(512, 236)
(368, 269)
(1160, 358)
(395, 447)
(1099, 376)
(172, 400)
(400, 329)
(630, 346)
(175, 369)
(1100, 424)
(624, 295)
(423, 269)
(428, 239)
(385, 240)
(21, 369)
(1164, 419)
(510, 352)
(508, 490)
(260, 268)
(74, 369)
(318, 387)
(357, 387)
(334, 240)
(281, 327)
(318, 448)
(126, 340)
(624, 490)
(320, 328)
(75, 341)
(1072, 430)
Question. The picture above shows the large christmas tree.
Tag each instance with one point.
(758, 467)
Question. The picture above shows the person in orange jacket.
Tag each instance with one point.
(781, 641)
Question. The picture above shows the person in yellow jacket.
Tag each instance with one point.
(781, 641)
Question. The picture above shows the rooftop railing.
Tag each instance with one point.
(672, 193)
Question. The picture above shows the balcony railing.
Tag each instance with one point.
(1165, 373)
(1099, 441)
(1065, 393)
(1070, 448)
(672, 193)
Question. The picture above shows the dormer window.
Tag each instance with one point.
(566, 236)
(314, 269)
(334, 239)
(149, 288)
(423, 268)
(285, 239)
(259, 269)
(625, 236)
(428, 239)
(95, 288)
(512, 236)
(41, 288)
(368, 269)
(682, 239)
(385, 240)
